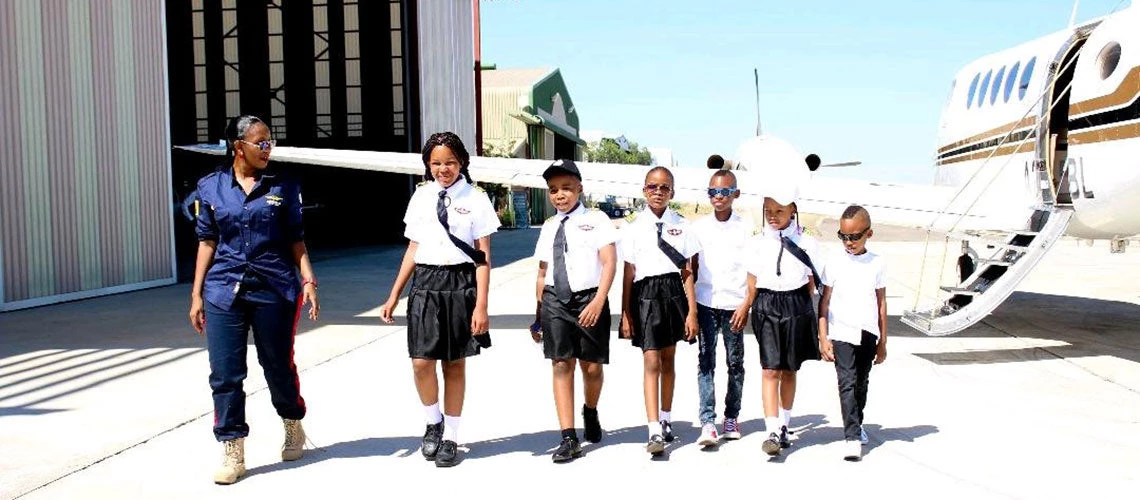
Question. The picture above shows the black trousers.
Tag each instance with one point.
(853, 369)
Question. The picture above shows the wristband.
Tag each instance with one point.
(307, 282)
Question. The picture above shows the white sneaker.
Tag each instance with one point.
(852, 450)
(708, 435)
(863, 439)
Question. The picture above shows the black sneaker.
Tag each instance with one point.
(568, 450)
(771, 445)
(784, 443)
(448, 455)
(593, 432)
(667, 431)
(432, 436)
(656, 445)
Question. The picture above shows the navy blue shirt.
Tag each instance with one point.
(255, 234)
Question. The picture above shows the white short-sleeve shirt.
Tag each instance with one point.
(639, 243)
(854, 306)
(587, 232)
(763, 252)
(721, 276)
(470, 216)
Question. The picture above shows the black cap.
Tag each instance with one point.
(562, 167)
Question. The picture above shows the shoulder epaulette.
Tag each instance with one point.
(422, 183)
(480, 188)
(630, 217)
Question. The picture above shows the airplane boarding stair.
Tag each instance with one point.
(994, 278)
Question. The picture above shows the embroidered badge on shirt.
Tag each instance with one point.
(273, 200)
(462, 210)
(586, 227)
(674, 231)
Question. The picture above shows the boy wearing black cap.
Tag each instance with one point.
(577, 261)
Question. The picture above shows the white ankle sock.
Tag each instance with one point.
(451, 428)
(772, 424)
(654, 429)
(432, 415)
(665, 416)
(786, 416)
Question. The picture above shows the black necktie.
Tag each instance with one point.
(561, 280)
(672, 253)
(441, 212)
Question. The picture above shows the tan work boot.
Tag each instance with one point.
(294, 447)
(233, 463)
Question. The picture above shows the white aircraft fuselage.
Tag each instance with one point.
(1063, 110)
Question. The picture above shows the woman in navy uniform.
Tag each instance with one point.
(250, 246)
(449, 226)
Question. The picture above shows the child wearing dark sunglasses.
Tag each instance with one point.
(721, 306)
(658, 306)
(853, 321)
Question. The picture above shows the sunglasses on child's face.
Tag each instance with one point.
(664, 188)
(853, 236)
(725, 192)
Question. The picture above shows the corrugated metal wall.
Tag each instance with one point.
(447, 68)
(499, 127)
(85, 203)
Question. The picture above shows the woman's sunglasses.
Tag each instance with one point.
(263, 145)
(853, 236)
(725, 192)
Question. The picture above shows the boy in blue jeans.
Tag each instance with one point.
(853, 321)
(722, 306)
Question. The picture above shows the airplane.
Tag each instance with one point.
(1036, 142)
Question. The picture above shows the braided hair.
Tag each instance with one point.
(452, 142)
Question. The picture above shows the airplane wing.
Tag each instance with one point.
(916, 206)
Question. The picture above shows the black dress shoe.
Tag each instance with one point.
(432, 436)
(656, 445)
(568, 450)
(593, 432)
(448, 455)
(667, 431)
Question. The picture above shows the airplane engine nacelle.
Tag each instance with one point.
(777, 164)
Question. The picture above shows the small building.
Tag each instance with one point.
(528, 113)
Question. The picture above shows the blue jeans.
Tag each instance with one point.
(714, 322)
(273, 322)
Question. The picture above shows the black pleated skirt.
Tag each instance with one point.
(786, 328)
(658, 307)
(440, 307)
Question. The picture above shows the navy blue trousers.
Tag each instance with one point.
(273, 321)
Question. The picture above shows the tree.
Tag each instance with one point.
(608, 151)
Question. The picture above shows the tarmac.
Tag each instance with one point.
(108, 398)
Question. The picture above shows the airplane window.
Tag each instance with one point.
(985, 86)
(1108, 59)
(997, 85)
(1025, 77)
(973, 90)
(1011, 80)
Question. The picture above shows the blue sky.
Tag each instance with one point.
(846, 80)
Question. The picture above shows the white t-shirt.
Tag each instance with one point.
(721, 277)
(587, 231)
(470, 216)
(639, 243)
(763, 252)
(854, 306)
